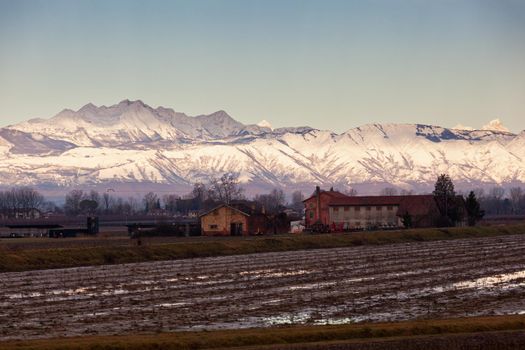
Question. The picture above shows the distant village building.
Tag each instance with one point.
(316, 206)
(296, 226)
(241, 219)
(22, 213)
(234, 220)
(335, 211)
(382, 212)
(159, 212)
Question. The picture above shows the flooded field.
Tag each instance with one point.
(441, 279)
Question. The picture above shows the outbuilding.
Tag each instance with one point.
(234, 220)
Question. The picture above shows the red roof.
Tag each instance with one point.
(418, 205)
(333, 194)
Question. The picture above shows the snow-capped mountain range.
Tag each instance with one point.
(131, 143)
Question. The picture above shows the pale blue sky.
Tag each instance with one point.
(327, 64)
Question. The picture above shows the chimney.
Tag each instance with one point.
(318, 203)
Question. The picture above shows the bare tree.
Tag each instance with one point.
(107, 202)
(352, 192)
(170, 202)
(516, 198)
(497, 192)
(20, 201)
(389, 191)
(150, 201)
(271, 202)
(297, 201)
(226, 188)
(199, 191)
(72, 203)
(132, 205)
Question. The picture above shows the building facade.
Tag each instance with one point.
(317, 206)
(382, 212)
(226, 220)
(347, 217)
(334, 211)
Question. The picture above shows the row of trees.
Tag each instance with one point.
(19, 202)
(495, 201)
(453, 207)
(224, 189)
(501, 201)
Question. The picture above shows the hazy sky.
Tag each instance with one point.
(327, 64)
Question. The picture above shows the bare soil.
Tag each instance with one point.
(424, 280)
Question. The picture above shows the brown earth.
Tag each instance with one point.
(408, 281)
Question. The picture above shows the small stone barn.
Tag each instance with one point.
(238, 220)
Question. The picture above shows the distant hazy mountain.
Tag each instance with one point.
(132, 142)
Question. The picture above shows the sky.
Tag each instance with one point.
(327, 64)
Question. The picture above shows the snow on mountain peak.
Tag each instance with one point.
(265, 124)
(130, 141)
(495, 125)
(132, 122)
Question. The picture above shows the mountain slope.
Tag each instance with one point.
(131, 142)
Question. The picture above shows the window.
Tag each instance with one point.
(336, 209)
(311, 205)
(368, 208)
(213, 227)
(390, 207)
(378, 208)
(347, 208)
(357, 208)
(215, 212)
(311, 214)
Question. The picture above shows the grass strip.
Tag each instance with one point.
(35, 259)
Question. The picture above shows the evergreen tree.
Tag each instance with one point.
(446, 199)
(474, 212)
(407, 220)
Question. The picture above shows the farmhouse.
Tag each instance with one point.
(316, 206)
(234, 220)
(332, 210)
(366, 212)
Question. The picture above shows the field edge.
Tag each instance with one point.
(506, 331)
(52, 258)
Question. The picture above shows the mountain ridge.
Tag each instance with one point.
(131, 142)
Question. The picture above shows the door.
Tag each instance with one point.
(236, 228)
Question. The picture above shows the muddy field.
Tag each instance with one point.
(440, 279)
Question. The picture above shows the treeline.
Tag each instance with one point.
(501, 201)
(495, 201)
(20, 202)
(225, 189)
(25, 202)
